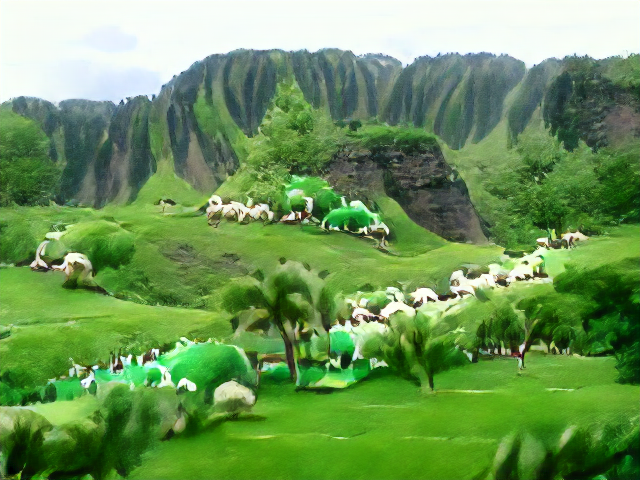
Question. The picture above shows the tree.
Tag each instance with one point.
(612, 320)
(417, 346)
(291, 299)
(550, 317)
(27, 175)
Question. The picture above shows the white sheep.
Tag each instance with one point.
(362, 314)
(423, 295)
(86, 383)
(186, 384)
(394, 307)
(395, 294)
(233, 398)
(462, 289)
(77, 266)
(543, 242)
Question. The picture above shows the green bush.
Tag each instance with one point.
(17, 242)
(378, 138)
(105, 243)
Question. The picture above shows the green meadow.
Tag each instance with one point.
(385, 428)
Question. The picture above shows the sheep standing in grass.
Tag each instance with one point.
(233, 398)
(77, 267)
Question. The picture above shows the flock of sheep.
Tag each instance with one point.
(529, 267)
(217, 210)
(230, 396)
(567, 240)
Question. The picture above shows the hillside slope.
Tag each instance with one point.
(197, 128)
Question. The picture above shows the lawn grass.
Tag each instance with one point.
(385, 428)
(52, 324)
(416, 255)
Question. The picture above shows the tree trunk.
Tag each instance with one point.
(291, 361)
(288, 350)
(430, 377)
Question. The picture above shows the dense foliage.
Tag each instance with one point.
(293, 138)
(611, 320)
(555, 189)
(27, 175)
(381, 138)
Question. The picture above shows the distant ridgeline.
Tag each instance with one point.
(199, 122)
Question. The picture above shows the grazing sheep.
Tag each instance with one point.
(394, 294)
(261, 212)
(576, 236)
(463, 289)
(233, 398)
(215, 200)
(185, 384)
(423, 295)
(457, 276)
(214, 212)
(86, 383)
(543, 241)
(394, 307)
(483, 281)
(523, 271)
(77, 267)
(378, 231)
(559, 243)
(291, 217)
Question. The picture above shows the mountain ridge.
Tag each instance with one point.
(201, 118)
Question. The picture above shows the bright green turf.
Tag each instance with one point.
(384, 428)
(52, 324)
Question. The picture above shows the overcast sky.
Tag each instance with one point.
(108, 50)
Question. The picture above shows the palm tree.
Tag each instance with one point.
(294, 299)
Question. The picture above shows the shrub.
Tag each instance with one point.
(408, 140)
(17, 242)
(105, 243)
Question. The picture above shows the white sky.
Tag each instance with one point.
(107, 50)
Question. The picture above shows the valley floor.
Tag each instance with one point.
(384, 428)
(381, 428)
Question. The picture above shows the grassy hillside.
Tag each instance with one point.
(51, 324)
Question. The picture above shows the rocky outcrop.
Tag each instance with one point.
(427, 188)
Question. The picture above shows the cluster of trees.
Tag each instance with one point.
(610, 316)
(294, 300)
(293, 138)
(27, 175)
(555, 189)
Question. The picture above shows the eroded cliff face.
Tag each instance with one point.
(427, 188)
(200, 120)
